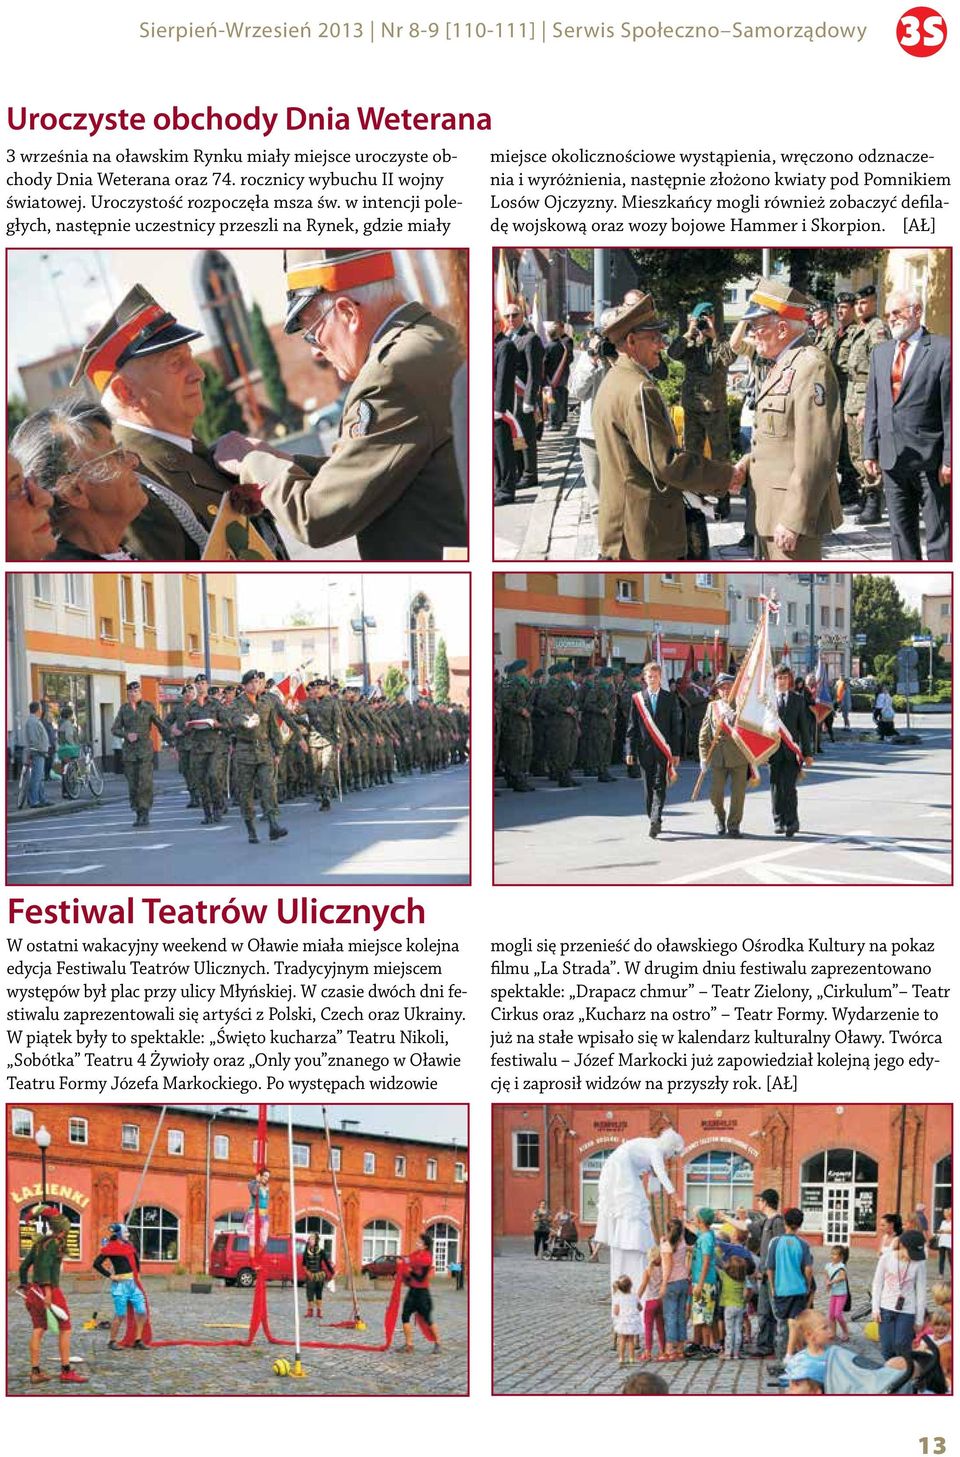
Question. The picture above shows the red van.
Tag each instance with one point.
(230, 1259)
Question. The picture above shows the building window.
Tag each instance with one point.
(107, 629)
(497, 645)
(753, 609)
(942, 1189)
(838, 617)
(720, 1179)
(21, 1123)
(221, 1146)
(626, 590)
(126, 599)
(791, 614)
(806, 614)
(30, 1226)
(175, 1142)
(706, 579)
(590, 1170)
(301, 1155)
(838, 1194)
(277, 645)
(526, 1149)
(308, 645)
(75, 590)
(944, 609)
(669, 579)
(459, 1173)
(43, 587)
(316, 1224)
(77, 1130)
(380, 1239)
(431, 1169)
(446, 1245)
(400, 1166)
(212, 612)
(229, 622)
(232, 1221)
(155, 1233)
(193, 643)
(130, 1137)
(335, 1157)
(148, 604)
(369, 1163)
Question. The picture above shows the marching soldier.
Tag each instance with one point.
(254, 721)
(176, 722)
(516, 734)
(718, 749)
(654, 739)
(796, 432)
(132, 724)
(869, 332)
(204, 723)
(322, 718)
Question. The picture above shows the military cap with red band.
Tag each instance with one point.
(137, 326)
(777, 296)
(310, 271)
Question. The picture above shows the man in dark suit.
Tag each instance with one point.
(649, 747)
(906, 434)
(784, 769)
(505, 358)
(557, 359)
(528, 387)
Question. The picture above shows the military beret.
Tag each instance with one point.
(869, 290)
(553, 670)
(589, 673)
(516, 665)
(200, 678)
(250, 676)
(135, 683)
(137, 326)
(634, 670)
(607, 672)
(537, 673)
(703, 308)
(845, 298)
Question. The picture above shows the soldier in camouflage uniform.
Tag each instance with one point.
(870, 332)
(132, 724)
(516, 734)
(824, 331)
(538, 720)
(843, 336)
(225, 745)
(255, 723)
(632, 683)
(176, 721)
(203, 751)
(321, 718)
(706, 359)
(598, 710)
(563, 731)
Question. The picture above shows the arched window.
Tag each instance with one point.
(942, 1188)
(231, 1221)
(380, 1238)
(423, 641)
(224, 314)
(155, 1232)
(30, 1226)
(446, 1244)
(316, 1224)
(590, 1170)
(838, 1194)
(721, 1179)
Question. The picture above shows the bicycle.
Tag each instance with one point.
(23, 785)
(82, 772)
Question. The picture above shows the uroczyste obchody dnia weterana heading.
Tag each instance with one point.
(256, 119)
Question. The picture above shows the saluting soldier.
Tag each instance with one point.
(796, 431)
(254, 721)
(718, 748)
(132, 724)
(643, 473)
(392, 480)
(869, 332)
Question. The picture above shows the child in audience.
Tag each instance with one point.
(627, 1319)
(652, 1286)
(838, 1288)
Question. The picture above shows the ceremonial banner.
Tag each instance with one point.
(504, 292)
(756, 728)
(822, 705)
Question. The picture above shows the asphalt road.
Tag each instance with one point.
(239, 1371)
(870, 813)
(552, 1331)
(415, 831)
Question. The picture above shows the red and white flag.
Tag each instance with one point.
(757, 730)
(292, 687)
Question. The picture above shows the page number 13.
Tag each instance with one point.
(933, 1446)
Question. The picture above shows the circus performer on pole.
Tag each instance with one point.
(45, 1301)
(623, 1215)
(258, 1230)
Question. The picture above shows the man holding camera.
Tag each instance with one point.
(705, 358)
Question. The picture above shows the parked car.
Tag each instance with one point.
(230, 1259)
(382, 1268)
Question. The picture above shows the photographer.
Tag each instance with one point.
(706, 359)
(588, 373)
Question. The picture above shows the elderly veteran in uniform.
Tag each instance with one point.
(719, 751)
(141, 366)
(643, 474)
(796, 430)
(392, 479)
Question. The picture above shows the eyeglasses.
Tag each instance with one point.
(312, 335)
(898, 314)
(98, 471)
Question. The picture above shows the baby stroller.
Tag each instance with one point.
(851, 1375)
(562, 1244)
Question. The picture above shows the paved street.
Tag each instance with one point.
(554, 524)
(552, 1331)
(415, 831)
(237, 1371)
(870, 813)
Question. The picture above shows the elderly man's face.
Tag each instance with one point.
(644, 346)
(29, 534)
(771, 335)
(164, 390)
(102, 478)
(340, 333)
(903, 318)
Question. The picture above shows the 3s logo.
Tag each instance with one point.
(921, 31)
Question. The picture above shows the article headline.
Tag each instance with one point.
(295, 118)
(299, 910)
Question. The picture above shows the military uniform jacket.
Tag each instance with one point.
(137, 721)
(392, 480)
(795, 444)
(323, 722)
(705, 373)
(643, 474)
(726, 755)
(204, 740)
(166, 531)
(257, 743)
(558, 697)
(864, 340)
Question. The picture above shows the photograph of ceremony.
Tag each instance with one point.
(262, 727)
(677, 404)
(681, 728)
(248, 404)
(747, 1250)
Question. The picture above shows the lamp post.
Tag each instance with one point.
(43, 1139)
(329, 633)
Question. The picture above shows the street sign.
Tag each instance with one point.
(861, 639)
(922, 642)
(907, 658)
(908, 687)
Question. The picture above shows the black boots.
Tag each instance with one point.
(277, 831)
(252, 835)
(871, 514)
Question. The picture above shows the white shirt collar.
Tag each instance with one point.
(184, 441)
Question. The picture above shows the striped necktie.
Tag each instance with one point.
(899, 365)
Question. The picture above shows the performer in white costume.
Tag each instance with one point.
(623, 1212)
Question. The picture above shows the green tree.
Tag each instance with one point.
(679, 277)
(17, 412)
(394, 682)
(814, 270)
(881, 614)
(441, 673)
(302, 616)
(221, 412)
(268, 364)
